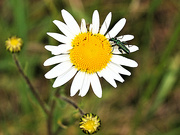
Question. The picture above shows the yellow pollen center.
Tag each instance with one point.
(90, 53)
(90, 126)
(14, 42)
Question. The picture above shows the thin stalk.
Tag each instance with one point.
(50, 117)
(30, 85)
(72, 103)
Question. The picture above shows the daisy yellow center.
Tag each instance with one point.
(90, 53)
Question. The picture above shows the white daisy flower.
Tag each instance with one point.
(86, 54)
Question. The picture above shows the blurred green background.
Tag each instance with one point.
(147, 103)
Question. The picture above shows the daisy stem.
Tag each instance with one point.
(30, 85)
(66, 100)
(72, 103)
(50, 117)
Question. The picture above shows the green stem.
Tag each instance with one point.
(30, 85)
(50, 117)
(72, 103)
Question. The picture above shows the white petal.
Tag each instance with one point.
(96, 86)
(123, 61)
(63, 28)
(63, 48)
(77, 83)
(85, 86)
(51, 47)
(56, 59)
(106, 24)
(116, 50)
(56, 50)
(95, 22)
(90, 28)
(83, 26)
(125, 38)
(103, 73)
(132, 48)
(115, 74)
(71, 22)
(62, 79)
(58, 70)
(119, 69)
(59, 37)
(117, 28)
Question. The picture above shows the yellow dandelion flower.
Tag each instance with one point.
(90, 123)
(14, 44)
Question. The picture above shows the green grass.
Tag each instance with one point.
(147, 103)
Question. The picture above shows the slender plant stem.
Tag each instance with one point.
(30, 85)
(50, 118)
(72, 103)
(53, 104)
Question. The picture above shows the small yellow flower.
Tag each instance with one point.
(14, 44)
(90, 123)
